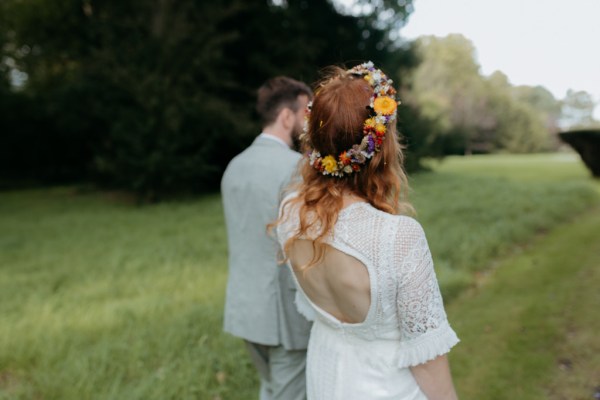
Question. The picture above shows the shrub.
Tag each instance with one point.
(587, 144)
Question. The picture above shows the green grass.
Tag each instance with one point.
(530, 329)
(474, 209)
(100, 299)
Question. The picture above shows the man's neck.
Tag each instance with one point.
(278, 133)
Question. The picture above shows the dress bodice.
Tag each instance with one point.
(406, 309)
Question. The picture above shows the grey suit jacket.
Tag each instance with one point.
(259, 304)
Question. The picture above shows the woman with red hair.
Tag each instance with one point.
(363, 267)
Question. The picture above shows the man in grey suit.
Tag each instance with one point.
(259, 304)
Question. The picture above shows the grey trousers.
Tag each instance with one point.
(282, 372)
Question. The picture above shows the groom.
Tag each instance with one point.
(259, 305)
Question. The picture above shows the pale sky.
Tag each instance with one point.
(551, 43)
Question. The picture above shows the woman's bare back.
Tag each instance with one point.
(339, 284)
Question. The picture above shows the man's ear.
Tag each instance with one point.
(286, 116)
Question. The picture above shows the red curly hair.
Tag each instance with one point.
(339, 110)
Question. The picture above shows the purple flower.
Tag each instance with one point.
(370, 144)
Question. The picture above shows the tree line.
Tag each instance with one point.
(475, 113)
(157, 96)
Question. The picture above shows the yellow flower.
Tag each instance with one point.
(384, 105)
(380, 128)
(370, 123)
(329, 163)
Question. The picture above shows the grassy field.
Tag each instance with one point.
(100, 299)
(477, 208)
(529, 329)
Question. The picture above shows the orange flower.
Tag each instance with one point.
(384, 105)
(344, 158)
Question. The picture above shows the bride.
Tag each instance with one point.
(363, 268)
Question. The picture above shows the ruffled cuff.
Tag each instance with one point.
(426, 347)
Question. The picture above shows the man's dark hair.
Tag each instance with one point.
(278, 93)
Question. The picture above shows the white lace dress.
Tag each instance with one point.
(406, 324)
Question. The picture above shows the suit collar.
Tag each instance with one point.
(269, 140)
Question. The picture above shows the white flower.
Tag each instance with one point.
(380, 119)
(314, 155)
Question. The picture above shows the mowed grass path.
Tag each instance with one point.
(100, 299)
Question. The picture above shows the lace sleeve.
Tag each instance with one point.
(425, 332)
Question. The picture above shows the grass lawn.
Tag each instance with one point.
(529, 329)
(100, 299)
(475, 209)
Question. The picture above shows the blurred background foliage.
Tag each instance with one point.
(157, 96)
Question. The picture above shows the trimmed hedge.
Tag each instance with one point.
(587, 143)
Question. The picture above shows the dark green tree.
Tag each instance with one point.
(157, 96)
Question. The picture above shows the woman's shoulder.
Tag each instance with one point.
(404, 223)
(287, 201)
(405, 230)
(288, 195)
(409, 225)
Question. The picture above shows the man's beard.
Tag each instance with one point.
(296, 143)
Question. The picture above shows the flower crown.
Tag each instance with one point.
(383, 111)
